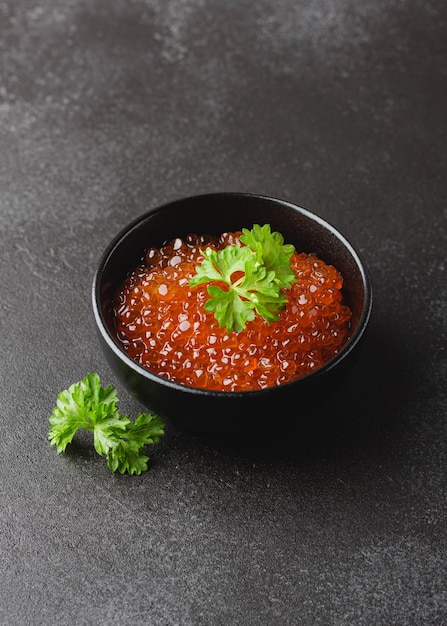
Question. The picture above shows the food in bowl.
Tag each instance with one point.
(212, 411)
(164, 320)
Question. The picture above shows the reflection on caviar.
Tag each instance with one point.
(162, 324)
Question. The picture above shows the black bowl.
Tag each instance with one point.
(212, 412)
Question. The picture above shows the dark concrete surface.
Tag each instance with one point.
(109, 108)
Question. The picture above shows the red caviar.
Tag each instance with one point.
(162, 324)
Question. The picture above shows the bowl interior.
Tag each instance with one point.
(218, 213)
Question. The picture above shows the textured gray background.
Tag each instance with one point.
(109, 108)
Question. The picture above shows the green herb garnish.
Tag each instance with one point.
(253, 278)
(88, 405)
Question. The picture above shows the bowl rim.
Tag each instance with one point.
(155, 378)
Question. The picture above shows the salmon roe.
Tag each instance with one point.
(161, 322)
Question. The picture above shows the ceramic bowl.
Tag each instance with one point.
(216, 412)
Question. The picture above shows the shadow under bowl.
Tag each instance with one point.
(215, 412)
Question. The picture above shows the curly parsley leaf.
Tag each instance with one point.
(128, 455)
(272, 252)
(222, 264)
(87, 405)
(250, 278)
(231, 311)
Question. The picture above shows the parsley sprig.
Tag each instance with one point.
(254, 277)
(87, 405)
